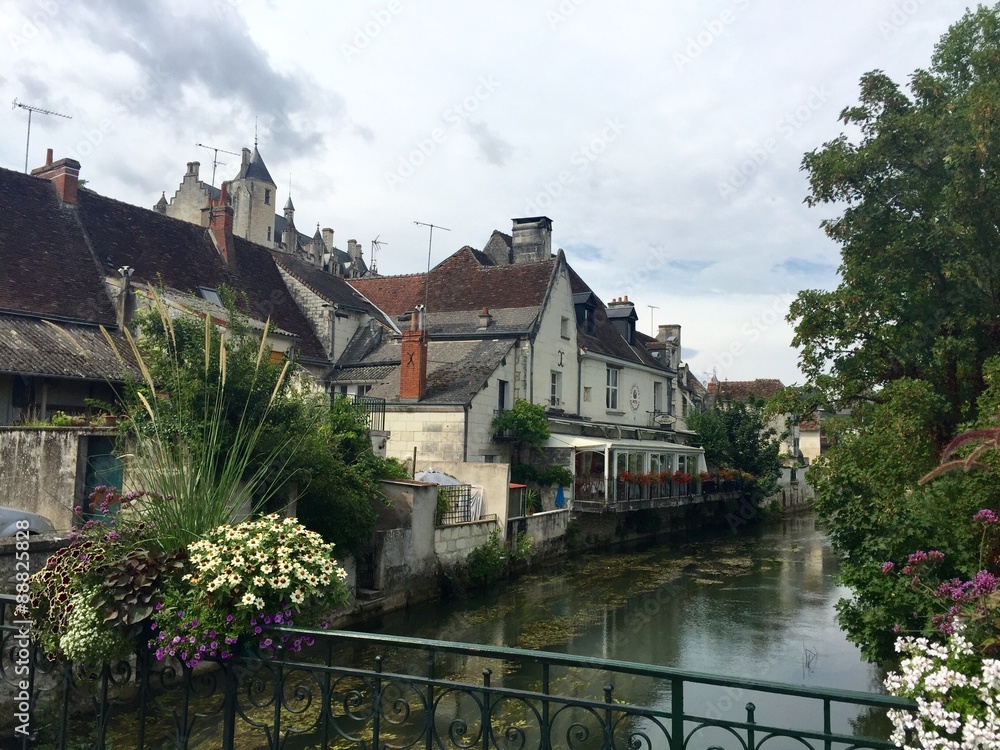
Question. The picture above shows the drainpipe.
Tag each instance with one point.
(531, 371)
(465, 438)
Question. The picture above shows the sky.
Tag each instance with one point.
(663, 139)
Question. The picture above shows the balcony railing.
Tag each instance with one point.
(360, 690)
(372, 409)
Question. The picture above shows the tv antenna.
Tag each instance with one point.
(652, 329)
(376, 246)
(40, 111)
(430, 239)
(215, 157)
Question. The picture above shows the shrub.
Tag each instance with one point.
(488, 562)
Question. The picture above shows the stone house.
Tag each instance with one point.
(515, 321)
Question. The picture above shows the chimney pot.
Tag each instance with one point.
(48, 157)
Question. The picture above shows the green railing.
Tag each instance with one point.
(360, 690)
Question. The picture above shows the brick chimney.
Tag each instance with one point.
(220, 227)
(413, 364)
(64, 174)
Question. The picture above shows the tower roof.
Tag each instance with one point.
(288, 204)
(256, 169)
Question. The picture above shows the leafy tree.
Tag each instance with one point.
(906, 338)
(736, 435)
(526, 424)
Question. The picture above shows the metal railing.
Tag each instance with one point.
(372, 409)
(359, 690)
(459, 501)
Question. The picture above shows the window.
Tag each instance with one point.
(612, 397)
(555, 388)
(489, 459)
(269, 234)
(586, 393)
(657, 396)
(564, 328)
(502, 386)
(363, 389)
(267, 196)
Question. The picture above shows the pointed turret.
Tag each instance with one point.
(161, 205)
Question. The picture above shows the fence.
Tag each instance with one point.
(359, 690)
(458, 498)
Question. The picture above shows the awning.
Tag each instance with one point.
(583, 443)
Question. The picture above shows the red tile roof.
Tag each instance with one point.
(461, 282)
(741, 390)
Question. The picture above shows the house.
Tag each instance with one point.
(515, 321)
(71, 263)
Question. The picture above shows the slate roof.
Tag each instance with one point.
(740, 390)
(464, 281)
(256, 170)
(177, 254)
(46, 268)
(333, 289)
(456, 370)
(30, 346)
(604, 338)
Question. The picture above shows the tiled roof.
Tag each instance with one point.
(741, 390)
(456, 371)
(462, 281)
(333, 289)
(177, 254)
(503, 321)
(46, 268)
(30, 346)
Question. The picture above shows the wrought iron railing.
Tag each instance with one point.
(360, 690)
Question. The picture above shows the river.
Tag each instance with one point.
(759, 604)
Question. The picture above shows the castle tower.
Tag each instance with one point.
(253, 194)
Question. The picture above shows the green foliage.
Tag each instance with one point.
(229, 427)
(442, 507)
(61, 419)
(906, 340)
(736, 435)
(522, 548)
(556, 475)
(525, 422)
(532, 500)
(488, 562)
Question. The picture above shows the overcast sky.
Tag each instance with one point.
(662, 138)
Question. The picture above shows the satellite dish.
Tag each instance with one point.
(664, 419)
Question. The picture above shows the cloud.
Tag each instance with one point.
(493, 148)
(201, 60)
(803, 267)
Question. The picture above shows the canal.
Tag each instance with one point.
(758, 605)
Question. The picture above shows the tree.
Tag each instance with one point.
(208, 391)
(527, 426)
(905, 340)
(736, 435)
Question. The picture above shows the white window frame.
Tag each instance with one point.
(613, 382)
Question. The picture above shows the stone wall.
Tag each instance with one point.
(436, 435)
(453, 543)
(42, 470)
(39, 549)
(493, 478)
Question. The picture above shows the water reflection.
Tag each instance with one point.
(758, 606)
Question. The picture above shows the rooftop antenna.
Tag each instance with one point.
(652, 329)
(430, 239)
(376, 246)
(215, 157)
(40, 111)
